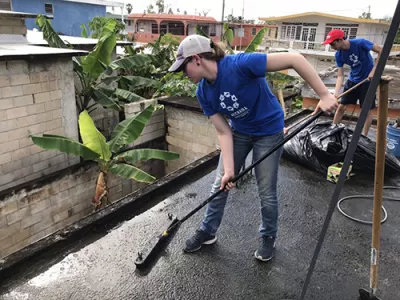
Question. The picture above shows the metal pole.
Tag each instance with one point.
(122, 13)
(241, 30)
(222, 19)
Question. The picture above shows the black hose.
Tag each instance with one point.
(385, 214)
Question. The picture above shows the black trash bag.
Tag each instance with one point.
(323, 144)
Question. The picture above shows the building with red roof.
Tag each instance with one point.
(148, 27)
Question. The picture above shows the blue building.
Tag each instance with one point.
(68, 15)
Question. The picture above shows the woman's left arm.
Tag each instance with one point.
(283, 61)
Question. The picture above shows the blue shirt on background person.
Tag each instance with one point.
(358, 57)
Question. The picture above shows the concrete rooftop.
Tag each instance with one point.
(101, 266)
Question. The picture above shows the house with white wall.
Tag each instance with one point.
(308, 30)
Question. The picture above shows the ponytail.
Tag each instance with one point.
(217, 54)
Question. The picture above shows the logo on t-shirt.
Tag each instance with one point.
(354, 59)
(230, 103)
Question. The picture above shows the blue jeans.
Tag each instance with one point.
(266, 175)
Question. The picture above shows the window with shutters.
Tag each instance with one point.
(353, 33)
(48, 8)
(290, 32)
(5, 4)
(350, 30)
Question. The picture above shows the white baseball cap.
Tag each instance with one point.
(191, 45)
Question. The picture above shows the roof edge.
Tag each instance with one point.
(17, 14)
(358, 20)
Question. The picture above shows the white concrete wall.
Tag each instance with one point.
(35, 97)
(12, 26)
(190, 134)
(320, 35)
(372, 32)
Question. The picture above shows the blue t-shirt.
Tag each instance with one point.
(241, 93)
(358, 57)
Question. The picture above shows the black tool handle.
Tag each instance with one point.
(245, 171)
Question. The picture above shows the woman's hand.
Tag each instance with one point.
(228, 176)
(328, 103)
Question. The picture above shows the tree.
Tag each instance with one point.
(185, 12)
(96, 86)
(205, 13)
(106, 154)
(178, 10)
(150, 9)
(170, 12)
(232, 19)
(161, 6)
(97, 24)
(129, 8)
(365, 15)
(249, 21)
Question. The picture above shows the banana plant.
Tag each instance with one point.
(94, 70)
(160, 58)
(108, 155)
(257, 40)
(227, 36)
(279, 82)
(49, 33)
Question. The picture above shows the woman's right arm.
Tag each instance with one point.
(225, 138)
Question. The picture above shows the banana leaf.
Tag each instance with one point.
(129, 130)
(49, 34)
(92, 138)
(93, 64)
(135, 81)
(228, 34)
(128, 63)
(65, 145)
(106, 101)
(252, 47)
(77, 65)
(84, 32)
(146, 154)
(127, 95)
(131, 172)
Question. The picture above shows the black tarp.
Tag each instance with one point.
(322, 144)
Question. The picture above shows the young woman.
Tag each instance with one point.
(234, 87)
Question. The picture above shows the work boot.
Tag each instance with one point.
(198, 239)
(265, 250)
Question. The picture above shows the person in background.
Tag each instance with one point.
(356, 54)
(234, 87)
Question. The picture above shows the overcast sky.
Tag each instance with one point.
(253, 9)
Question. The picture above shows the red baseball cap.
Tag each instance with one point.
(334, 35)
